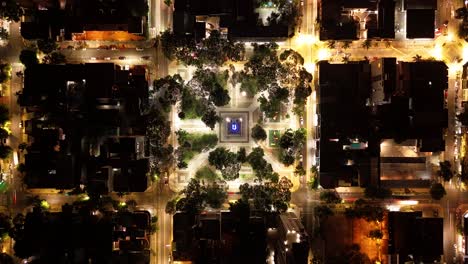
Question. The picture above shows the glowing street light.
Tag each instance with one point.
(323, 54)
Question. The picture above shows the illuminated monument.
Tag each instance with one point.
(234, 127)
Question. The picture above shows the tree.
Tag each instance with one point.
(4, 114)
(287, 139)
(300, 98)
(219, 158)
(367, 211)
(374, 192)
(346, 44)
(216, 195)
(268, 197)
(258, 133)
(219, 96)
(241, 155)
(286, 158)
(445, 170)
(29, 57)
(330, 196)
(210, 118)
(168, 44)
(5, 151)
(367, 44)
(437, 191)
(4, 33)
(3, 133)
(417, 58)
(225, 161)
(11, 10)
(323, 211)
(46, 46)
(299, 170)
(171, 206)
(170, 87)
(54, 58)
(264, 64)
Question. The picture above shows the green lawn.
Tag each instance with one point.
(273, 138)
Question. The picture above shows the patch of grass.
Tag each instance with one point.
(188, 155)
(247, 177)
(206, 173)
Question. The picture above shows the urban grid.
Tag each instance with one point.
(233, 131)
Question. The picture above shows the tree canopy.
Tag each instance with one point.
(11, 10)
(225, 161)
(268, 197)
(29, 57)
(214, 50)
(46, 46)
(196, 196)
(437, 191)
(258, 133)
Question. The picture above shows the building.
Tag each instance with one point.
(415, 120)
(345, 148)
(357, 19)
(292, 246)
(236, 19)
(380, 121)
(77, 235)
(420, 18)
(414, 238)
(80, 20)
(76, 110)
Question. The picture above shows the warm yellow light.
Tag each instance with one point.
(305, 39)
(437, 52)
(7, 126)
(408, 202)
(310, 67)
(450, 37)
(323, 54)
(45, 204)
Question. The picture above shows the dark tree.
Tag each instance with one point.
(11, 10)
(225, 161)
(54, 58)
(3, 133)
(4, 114)
(46, 46)
(287, 139)
(5, 151)
(171, 207)
(258, 133)
(219, 96)
(374, 192)
(210, 118)
(29, 57)
(215, 195)
(329, 196)
(287, 159)
(241, 155)
(4, 33)
(445, 170)
(437, 191)
(171, 88)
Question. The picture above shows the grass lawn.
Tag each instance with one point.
(273, 138)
